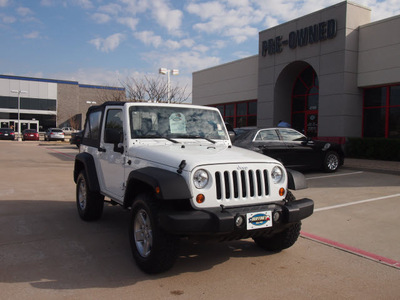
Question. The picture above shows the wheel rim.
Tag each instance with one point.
(332, 162)
(82, 194)
(143, 233)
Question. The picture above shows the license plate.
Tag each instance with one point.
(258, 220)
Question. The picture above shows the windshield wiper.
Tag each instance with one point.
(154, 136)
(196, 137)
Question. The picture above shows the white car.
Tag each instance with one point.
(54, 134)
(68, 130)
(175, 168)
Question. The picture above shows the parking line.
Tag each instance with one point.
(335, 175)
(356, 202)
(380, 259)
(62, 153)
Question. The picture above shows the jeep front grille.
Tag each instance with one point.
(241, 184)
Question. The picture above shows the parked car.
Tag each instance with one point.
(68, 130)
(54, 134)
(76, 138)
(7, 134)
(30, 135)
(292, 148)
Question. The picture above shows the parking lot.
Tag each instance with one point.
(349, 248)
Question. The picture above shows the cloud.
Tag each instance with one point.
(111, 9)
(149, 38)
(4, 3)
(108, 44)
(101, 18)
(130, 22)
(171, 19)
(232, 19)
(8, 19)
(24, 11)
(185, 61)
(86, 4)
(32, 35)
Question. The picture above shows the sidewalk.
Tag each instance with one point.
(382, 166)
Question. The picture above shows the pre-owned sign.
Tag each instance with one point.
(302, 37)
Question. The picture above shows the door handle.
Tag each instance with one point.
(101, 149)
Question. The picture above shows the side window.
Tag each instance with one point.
(92, 127)
(113, 126)
(291, 135)
(267, 135)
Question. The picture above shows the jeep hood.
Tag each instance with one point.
(197, 155)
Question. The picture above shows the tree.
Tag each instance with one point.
(153, 89)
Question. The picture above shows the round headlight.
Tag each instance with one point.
(200, 178)
(277, 174)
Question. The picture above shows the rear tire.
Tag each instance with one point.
(89, 203)
(154, 250)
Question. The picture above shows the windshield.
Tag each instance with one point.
(176, 122)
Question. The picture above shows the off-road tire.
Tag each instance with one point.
(89, 203)
(154, 250)
(283, 239)
(331, 162)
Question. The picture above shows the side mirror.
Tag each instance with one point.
(114, 136)
(232, 135)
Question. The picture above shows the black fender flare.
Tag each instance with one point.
(296, 180)
(85, 161)
(166, 185)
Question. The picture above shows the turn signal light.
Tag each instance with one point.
(200, 198)
(281, 192)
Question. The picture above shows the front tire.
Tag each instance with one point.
(89, 203)
(281, 240)
(284, 239)
(154, 250)
(331, 162)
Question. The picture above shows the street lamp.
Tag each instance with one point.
(168, 72)
(19, 92)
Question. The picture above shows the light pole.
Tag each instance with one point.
(19, 92)
(168, 72)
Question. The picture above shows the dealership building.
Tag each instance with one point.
(330, 74)
(44, 103)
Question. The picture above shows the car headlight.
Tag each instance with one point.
(200, 178)
(277, 174)
(326, 146)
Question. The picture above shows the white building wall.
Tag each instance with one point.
(379, 53)
(231, 82)
(35, 89)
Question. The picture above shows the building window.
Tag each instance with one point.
(239, 114)
(381, 117)
(305, 102)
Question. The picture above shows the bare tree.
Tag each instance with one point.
(153, 89)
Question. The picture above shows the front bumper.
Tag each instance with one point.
(221, 221)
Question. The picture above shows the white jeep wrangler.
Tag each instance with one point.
(175, 168)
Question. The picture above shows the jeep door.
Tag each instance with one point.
(111, 156)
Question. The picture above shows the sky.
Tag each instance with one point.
(105, 42)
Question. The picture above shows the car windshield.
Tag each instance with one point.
(176, 122)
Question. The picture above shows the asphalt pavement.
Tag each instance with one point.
(382, 166)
